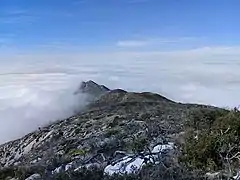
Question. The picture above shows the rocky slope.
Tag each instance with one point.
(118, 131)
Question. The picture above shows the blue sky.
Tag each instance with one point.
(118, 24)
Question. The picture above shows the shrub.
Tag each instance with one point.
(77, 152)
(137, 144)
(212, 140)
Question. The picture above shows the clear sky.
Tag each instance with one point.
(118, 24)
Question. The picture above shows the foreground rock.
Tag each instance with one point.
(119, 132)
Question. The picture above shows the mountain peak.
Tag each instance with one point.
(92, 88)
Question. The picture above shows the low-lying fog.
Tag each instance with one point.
(38, 89)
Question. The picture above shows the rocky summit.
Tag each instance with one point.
(118, 132)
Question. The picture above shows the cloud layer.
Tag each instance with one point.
(36, 89)
(29, 101)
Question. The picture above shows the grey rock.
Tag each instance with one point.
(92, 88)
(34, 177)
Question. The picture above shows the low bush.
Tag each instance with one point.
(212, 140)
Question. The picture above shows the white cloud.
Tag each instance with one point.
(154, 42)
(131, 43)
(38, 88)
(28, 101)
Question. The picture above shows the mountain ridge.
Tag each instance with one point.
(116, 124)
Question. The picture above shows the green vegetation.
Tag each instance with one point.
(212, 140)
(138, 144)
(77, 152)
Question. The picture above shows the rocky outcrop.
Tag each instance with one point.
(92, 88)
(34, 177)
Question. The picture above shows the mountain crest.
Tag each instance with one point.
(92, 88)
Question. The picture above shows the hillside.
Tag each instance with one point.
(119, 132)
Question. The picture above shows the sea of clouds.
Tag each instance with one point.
(38, 89)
